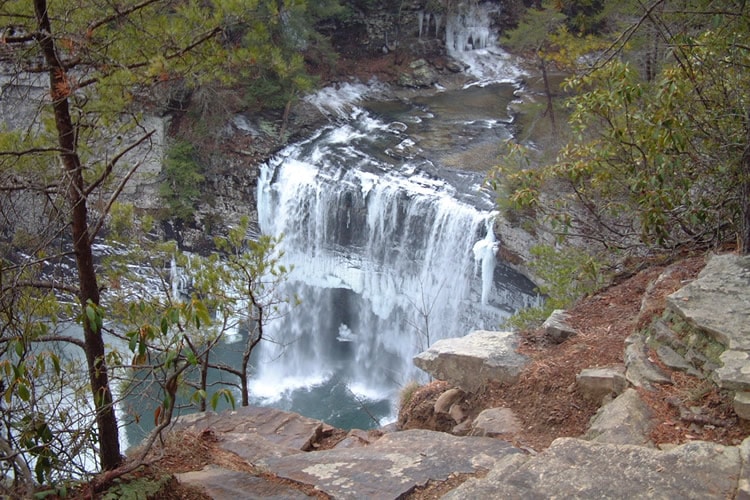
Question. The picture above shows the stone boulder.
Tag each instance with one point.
(597, 383)
(556, 327)
(470, 362)
(447, 399)
(624, 420)
(420, 74)
(495, 422)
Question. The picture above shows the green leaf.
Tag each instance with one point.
(198, 396)
(133, 341)
(191, 358)
(23, 391)
(91, 315)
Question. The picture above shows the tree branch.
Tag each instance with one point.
(113, 162)
(42, 284)
(119, 14)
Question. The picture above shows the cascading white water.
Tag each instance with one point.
(383, 256)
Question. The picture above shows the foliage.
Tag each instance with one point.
(183, 179)
(657, 158)
(283, 74)
(75, 334)
(566, 274)
(255, 272)
(137, 488)
(583, 16)
(652, 163)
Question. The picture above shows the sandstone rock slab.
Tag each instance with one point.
(672, 359)
(625, 420)
(741, 404)
(718, 301)
(734, 374)
(573, 468)
(256, 433)
(470, 362)
(639, 369)
(597, 383)
(225, 484)
(393, 465)
(495, 422)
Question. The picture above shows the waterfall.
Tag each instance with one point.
(383, 255)
(180, 281)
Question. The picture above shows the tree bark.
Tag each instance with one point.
(744, 236)
(253, 340)
(72, 176)
(550, 110)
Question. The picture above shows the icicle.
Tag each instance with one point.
(484, 253)
(468, 30)
(438, 19)
(420, 18)
(175, 279)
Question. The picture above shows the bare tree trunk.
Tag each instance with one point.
(550, 110)
(204, 378)
(744, 237)
(72, 175)
(253, 340)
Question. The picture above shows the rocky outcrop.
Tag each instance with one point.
(397, 463)
(276, 441)
(716, 309)
(470, 362)
(420, 74)
(393, 465)
(573, 468)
